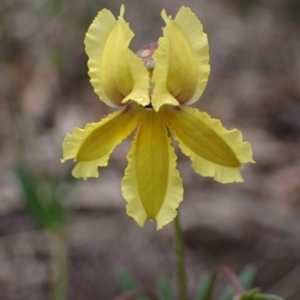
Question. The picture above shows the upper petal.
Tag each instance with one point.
(181, 61)
(152, 185)
(91, 147)
(213, 150)
(116, 73)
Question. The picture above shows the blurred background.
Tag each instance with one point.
(45, 92)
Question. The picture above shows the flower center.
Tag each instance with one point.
(146, 54)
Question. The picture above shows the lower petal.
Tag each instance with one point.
(152, 185)
(91, 147)
(214, 151)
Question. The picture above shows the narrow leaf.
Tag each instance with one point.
(206, 287)
(164, 289)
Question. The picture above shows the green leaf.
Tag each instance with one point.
(249, 295)
(246, 279)
(266, 297)
(128, 283)
(247, 276)
(255, 295)
(206, 287)
(164, 289)
(45, 210)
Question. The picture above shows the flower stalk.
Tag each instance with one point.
(180, 261)
(59, 260)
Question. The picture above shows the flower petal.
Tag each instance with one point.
(91, 147)
(214, 151)
(152, 185)
(181, 61)
(116, 73)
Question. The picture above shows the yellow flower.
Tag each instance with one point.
(151, 101)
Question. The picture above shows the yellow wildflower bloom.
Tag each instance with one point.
(150, 94)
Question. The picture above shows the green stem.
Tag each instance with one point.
(59, 259)
(181, 276)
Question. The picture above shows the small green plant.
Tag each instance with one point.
(238, 289)
(47, 211)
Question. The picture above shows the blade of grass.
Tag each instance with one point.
(46, 210)
(128, 283)
(206, 286)
(163, 288)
